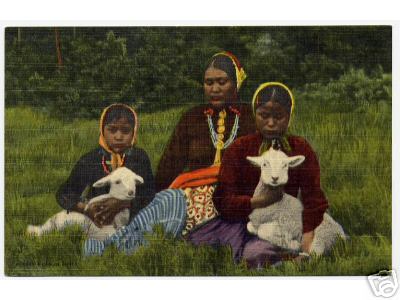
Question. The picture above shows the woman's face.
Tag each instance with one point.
(272, 120)
(218, 87)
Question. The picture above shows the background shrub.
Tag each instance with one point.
(160, 67)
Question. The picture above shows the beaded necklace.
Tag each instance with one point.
(104, 164)
(217, 137)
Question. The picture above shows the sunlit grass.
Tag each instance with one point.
(354, 150)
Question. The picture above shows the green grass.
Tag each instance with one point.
(354, 149)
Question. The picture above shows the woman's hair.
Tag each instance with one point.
(277, 94)
(116, 112)
(224, 63)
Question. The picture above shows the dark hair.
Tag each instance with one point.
(119, 111)
(277, 94)
(224, 63)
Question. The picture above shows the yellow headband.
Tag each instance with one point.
(266, 84)
(116, 159)
(103, 115)
(240, 73)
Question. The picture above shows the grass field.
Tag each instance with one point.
(354, 149)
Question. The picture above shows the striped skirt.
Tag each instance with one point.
(167, 209)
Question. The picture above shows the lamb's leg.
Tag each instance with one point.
(270, 232)
(294, 245)
(292, 241)
(57, 222)
(251, 228)
(100, 234)
(317, 246)
(326, 235)
(122, 218)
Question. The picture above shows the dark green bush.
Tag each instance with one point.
(354, 90)
(159, 67)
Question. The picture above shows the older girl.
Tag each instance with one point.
(273, 105)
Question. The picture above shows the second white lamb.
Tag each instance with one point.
(281, 222)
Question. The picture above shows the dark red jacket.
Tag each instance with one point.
(238, 179)
(190, 147)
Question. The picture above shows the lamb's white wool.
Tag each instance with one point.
(281, 223)
(122, 184)
(274, 166)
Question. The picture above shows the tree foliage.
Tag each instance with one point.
(155, 67)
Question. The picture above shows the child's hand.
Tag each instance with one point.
(91, 212)
(106, 210)
(268, 198)
(259, 201)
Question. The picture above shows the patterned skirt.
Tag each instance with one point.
(200, 207)
(167, 209)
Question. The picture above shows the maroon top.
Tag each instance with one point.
(238, 179)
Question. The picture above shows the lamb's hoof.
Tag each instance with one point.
(33, 230)
(251, 229)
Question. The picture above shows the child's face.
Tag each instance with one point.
(272, 120)
(118, 135)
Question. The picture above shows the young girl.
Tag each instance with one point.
(118, 127)
(273, 105)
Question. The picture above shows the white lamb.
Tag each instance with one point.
(281, 222)
(122, 183)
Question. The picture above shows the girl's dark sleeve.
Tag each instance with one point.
(175, 156)
(313, 198)
(144, 192)
(69, 193)
(230, 200)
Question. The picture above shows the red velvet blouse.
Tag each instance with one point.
(238, 179)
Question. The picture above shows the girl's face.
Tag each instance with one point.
(218, 87)
(118, 135)
(272, 120)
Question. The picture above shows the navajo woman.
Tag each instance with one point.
(201, 137)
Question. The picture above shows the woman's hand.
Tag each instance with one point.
(307, 241)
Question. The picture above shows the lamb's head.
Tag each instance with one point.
(122, 182)
(275, 165)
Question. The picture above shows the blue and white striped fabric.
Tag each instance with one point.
(168, 209)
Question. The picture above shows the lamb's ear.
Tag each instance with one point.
(139, 179)
(102, 182)
(255, 160)
(294, 161)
